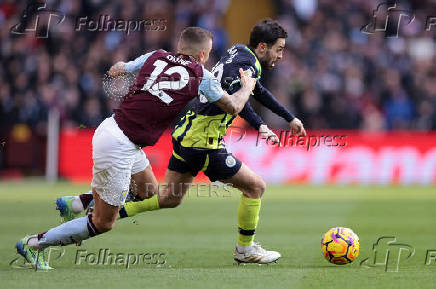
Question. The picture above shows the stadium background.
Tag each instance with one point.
(378, 91)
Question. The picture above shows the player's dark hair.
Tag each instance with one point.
(195, 35)
(268, 31)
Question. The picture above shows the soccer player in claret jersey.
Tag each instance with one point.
(165, 83)
(198, 141)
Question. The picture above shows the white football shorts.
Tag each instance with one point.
(115, 158)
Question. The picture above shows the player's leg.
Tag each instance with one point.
(252, 187)
(183, 166)
(70, 207)
(171, 194)
(74, 231)
(104, 215)
(113, 156)
(143, 185)
(224, 167)
(174, 188)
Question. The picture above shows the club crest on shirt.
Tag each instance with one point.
(124, 195)
(230, 161)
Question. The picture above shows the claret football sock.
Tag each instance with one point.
(86, 199)
(130, 209)
(248, 217)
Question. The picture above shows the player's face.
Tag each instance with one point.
(204, 53)
(274, 54)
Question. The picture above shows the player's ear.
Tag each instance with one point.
(179, 47)
(201, 55)
(262, 47)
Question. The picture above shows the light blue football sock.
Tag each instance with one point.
(68, 233)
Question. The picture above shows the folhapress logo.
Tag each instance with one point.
(387, 253)
(38, 20)
(388, 19)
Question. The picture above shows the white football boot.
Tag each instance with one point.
(256, 254)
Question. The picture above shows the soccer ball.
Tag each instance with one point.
(340, 245)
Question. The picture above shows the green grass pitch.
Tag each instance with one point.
(198, 238)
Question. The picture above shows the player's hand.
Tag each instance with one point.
(117, 69)
(297, 127)
(246, 79)
(265, 132)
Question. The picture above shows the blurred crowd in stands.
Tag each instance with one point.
(332, 76)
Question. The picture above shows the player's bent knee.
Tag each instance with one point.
(262, 187)
(147, 191)
(152, 190)
(256, 189)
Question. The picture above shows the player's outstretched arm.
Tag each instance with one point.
(234, 103)
(251, 116)
(256, 121)
(133, 66)
(265, 97)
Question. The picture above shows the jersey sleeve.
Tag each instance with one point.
(251, 116)
(135, 65)
(265, 97)
(210, 87)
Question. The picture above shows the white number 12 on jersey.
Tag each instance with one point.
(156, 88)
